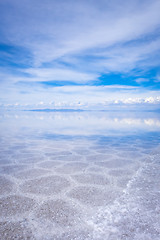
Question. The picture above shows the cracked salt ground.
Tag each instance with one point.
(58, 214)
(49, 164)
(94, 196)
(78, 188)
(69, 194)
(135, 215)
(91, 179)
(31, 173)
(72, 167)
(46, 185)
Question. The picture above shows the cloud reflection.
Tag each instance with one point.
(82, 123)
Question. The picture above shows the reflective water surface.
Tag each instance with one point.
(80, 175)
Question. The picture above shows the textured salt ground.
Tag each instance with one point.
(49, 164)
(95, 179)
(114, 163)
(57, 196)
(6, 185)
(31, 173)
(94, 196)
(59, 213)
(135, 215)
(11, 169)
(46, 185)
(15, 205)
(72, 167)
(15, 230)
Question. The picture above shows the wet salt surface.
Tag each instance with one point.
(95, 187)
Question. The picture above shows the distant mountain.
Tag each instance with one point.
(56, 110)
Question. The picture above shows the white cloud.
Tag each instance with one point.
(77, 96)
(52, 30)
(47, 74)
(150, 100)
(126, 57)
(78, 41)
(59, 74)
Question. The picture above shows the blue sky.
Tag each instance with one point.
(79, 53)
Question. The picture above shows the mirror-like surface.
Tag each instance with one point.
(80, 175)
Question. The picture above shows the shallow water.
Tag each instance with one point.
(80, 175)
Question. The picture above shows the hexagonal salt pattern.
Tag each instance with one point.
(59, 212)
(45, 185)
(135, 215)
(72, 167)
(93, 196)
(90, 178)
(81, 189)
(31, 173)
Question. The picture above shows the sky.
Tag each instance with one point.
(69, 54)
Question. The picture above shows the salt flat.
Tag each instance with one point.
(71, 186)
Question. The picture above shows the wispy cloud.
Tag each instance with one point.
(59, 74)
(55, 29)
(79, 42)
(141, 80)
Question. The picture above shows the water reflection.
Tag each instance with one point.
(82, 123)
